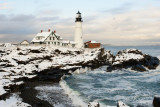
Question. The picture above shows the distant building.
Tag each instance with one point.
(25, 42)
(92, 44)
(6, 45)
(1, 44)
(51, 38)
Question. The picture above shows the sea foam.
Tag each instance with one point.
(74, 95)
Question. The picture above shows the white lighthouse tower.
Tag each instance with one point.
(78, 31)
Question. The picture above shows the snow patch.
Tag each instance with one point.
(13, 101)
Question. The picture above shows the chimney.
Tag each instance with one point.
(49, 30)
(54, 31)
(41, 31)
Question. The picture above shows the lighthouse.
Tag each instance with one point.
(78, 31)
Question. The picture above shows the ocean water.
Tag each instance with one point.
(130, 87)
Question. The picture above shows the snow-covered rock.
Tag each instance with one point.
(6, 45)
(127, 55)
(134, 59)
(13, 101)
(27, 61)
(93, 104)
(121, 104)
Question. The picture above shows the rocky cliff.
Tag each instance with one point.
(134, 59)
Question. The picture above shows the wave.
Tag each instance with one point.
(81, 70)
(107, 88)
(73, 95)
(54, 94)
(76, 97)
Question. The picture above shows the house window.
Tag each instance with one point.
(53, 38)
(54, 43)
(73, 45)
(50, 38)
(48, 42)
(38, 38)
(58, 43)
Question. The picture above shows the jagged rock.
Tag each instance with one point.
(121, 104)
(77, 52)
(150, 62)
(138, 68)
(106, 56)
(103, 58)
(57, 51)
(35, 51)
(156, 101)
(140, 106)
(93, 104)
(134, 59)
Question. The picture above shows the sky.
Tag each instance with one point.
(115, 22)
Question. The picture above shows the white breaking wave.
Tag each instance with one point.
(54, 94)
(73, 95)
(81, 70)
(158, 68)
(98, 72)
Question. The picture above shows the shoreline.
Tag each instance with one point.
(45, 68)
(27, 67)
(42, 79)
(29, 93)
(27, 90)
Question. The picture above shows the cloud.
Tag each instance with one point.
(136, 27)
(14, 38)
(23, 26)
(2, 18)
(5, 6)
(56, 18)
(17, 24)
(121, 9)
(50, 12)
(22, 17)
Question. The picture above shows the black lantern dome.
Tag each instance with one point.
(78, 17)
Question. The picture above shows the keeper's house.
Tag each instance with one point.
(92, 44)
(51, 38)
